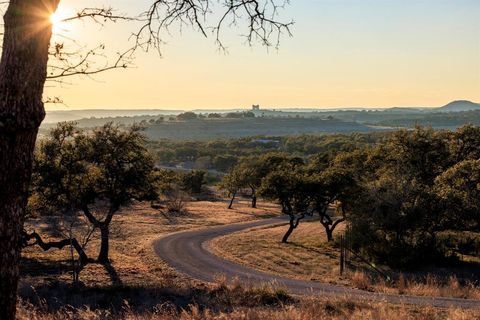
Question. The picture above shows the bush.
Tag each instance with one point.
(193, 181)
(187, 116)
(176, 201)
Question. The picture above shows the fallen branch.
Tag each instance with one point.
(26, 237)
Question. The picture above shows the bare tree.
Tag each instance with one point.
(23, 72)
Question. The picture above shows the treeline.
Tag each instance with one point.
(411, 199)
(222, 155)
(437, 119)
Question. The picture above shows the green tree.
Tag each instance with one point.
(186, 116)
(96, 173)
(288, 185)
(224, 162)
(465, 143)
(394, 220)
(193, 181)
(232, 182)
(459, 191)
(395, 216)
(421, 154)
(333, 186)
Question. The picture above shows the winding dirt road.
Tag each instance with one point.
(188, 253)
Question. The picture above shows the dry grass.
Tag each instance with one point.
(308, 256)
(428, 286)
(132, 233)
(226, 301)
(319, 309)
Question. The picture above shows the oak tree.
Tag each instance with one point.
(95, 173)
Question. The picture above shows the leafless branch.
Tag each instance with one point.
(68, 64)
(260, 17)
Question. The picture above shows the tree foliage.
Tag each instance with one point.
(95, 173)
(417, 185)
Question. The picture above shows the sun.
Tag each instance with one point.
(57, 19)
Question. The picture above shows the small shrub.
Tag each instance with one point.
(176, 201)
(361, 281)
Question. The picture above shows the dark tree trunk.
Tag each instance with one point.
(291, 227)
(293, 224)
(330, 226)
(254, 201)
(27, 33)
(103, 255)
(329, 233)
(104, 227)
(231, 201)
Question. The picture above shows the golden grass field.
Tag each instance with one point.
(317, 309)
(147, 288)
(308, 256)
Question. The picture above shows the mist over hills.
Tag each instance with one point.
(72, 115)
(236, 123)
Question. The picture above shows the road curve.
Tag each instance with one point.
(187, 252)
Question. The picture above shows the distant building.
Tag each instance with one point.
(255, 107)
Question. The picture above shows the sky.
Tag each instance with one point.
(343, 53)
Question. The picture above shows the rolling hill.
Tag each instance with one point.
(459, 105)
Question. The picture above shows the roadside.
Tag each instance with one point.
(308, 256)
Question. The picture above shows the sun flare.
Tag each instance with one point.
(57, 19)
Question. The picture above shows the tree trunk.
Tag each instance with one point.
(231, 201)
(291, 227)
(23, 67)
(329, 233)
(330, 227)
(103, 255)
(254, 201)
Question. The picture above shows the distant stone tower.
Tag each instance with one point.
(256, 107)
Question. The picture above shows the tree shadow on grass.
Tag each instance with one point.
(313, 249)
(58, 295)
(43, 267)
(114, 277)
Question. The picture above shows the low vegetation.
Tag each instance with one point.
(312, 309)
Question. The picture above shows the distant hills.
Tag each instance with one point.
(459, 105)
(163, 124)
(74, 115)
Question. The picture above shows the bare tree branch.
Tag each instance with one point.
(260, 17)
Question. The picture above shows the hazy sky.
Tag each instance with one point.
(344, 53)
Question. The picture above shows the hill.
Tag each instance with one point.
(459, 105)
